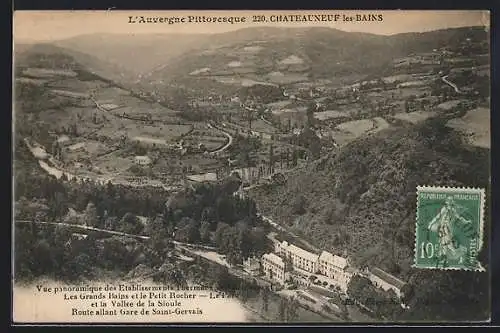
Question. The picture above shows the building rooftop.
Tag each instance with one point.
(391, 279)
(39, 153)
(206, 177)
(144, 159)
(300, 252)
(77, 146)
(79, 235)
(333, 259)
(273, 258)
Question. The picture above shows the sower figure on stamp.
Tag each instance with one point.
(445, 224)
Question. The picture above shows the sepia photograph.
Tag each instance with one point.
(326, 166)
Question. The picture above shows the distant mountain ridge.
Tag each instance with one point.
(52, 56)
(145, 53)
(325, 52)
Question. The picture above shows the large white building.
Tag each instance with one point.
(334, 267)
(304, 264)
(274, 267)
(299, 258)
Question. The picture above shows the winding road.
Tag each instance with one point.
(266, 121)
(451, 84)
(227, 145)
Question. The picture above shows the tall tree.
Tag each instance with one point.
(271, 159)
(205, 232)
(292, 309)
(90, 217)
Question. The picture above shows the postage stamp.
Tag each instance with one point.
(449, 228)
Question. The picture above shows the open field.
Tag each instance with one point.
(27, 80)
(209, 142)
(349, 131)
(286, 78)
(57, 119)
(115, 163)
(397, 78)
(73, 84)
(379, 124)
(81, 148)
(297, 109)
(449, 105)
(132, 129)
(68, 93)
(330, 114)
(244, 82)
(476, 124)
(414, 117)
(199, 163)
(257, 124)
(279, 105)
(415, 83)
(261, 126)
(357, 127)
(484, 72)
(210, 138)
(413, 91)
(48, 73)
(110, 93)
(149, 140)
(376, 96)
(109, 106)
(138, 110)
(459, 70)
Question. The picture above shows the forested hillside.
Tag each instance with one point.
(363, 201)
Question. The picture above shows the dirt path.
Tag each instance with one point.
(87, 228)
(227, 145)
(451, 84)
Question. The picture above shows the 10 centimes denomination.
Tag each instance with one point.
(449, 228)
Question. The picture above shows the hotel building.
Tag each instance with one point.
(334, 267)
(274, 267)
(299, 258)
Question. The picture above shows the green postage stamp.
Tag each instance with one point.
(449, 229)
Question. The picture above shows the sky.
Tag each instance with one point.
(36, 26)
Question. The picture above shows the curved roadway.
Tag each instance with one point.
(451, 84)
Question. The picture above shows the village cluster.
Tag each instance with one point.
(290, 266)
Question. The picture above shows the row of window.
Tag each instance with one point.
(273, 264)
(276, 274)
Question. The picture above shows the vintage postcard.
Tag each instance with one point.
(323, 166)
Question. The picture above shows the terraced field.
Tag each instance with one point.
(415, 117)
(211, 139)
(476, 125)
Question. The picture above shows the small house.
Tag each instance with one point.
(252, 266)
(142, 160)
(386, 281)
